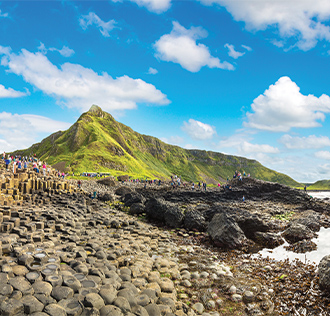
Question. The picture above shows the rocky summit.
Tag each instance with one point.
(145, 251)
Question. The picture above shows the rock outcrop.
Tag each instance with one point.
(225, 232)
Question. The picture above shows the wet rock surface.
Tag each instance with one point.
(80, 256)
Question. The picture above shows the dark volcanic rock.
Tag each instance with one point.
(133, 197)
(194, 220)
(324, 273)
(136, 208)
(309, 218)
(106, 197)
(109, 181)
(225, 232)
(296, 232)
(173, 216)
(267, 239)
(123, 190)
(160, 210)
(302, 246)
(155, 208)
(252, 223)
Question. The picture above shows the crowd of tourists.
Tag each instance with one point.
(18, 162)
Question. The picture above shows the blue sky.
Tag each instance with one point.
(248, 78)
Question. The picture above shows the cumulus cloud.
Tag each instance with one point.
(92, 19)
(21, 131)
(247, 148)
(64, 51)
(305, 22)
(282, 107)
(323, 154)
(80, 87)
(11, 93)
(311, 141)
(232, 52)
(180, 47)
(198, 130)
(152, 71)
(234, 140)
(156, 6)
(174, 140)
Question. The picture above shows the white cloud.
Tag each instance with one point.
(311, 141)
(174, 140)
(248, 48)
(189, 146)
(3, 15)
(282, 107)
(157, 6)
(323, 154)
(92, 19)
(79, 87)
(234, 140)
(232, 52)
(247, 148)
(21, 131)
(64, 51)
(11, 93)
(152, 71)
(198, 130)
(180, 47)
(306, 22)
(323, 171)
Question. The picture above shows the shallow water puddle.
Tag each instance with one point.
(280, 253)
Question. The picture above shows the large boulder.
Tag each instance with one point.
(268, 239)
(123, 178)
(324, 273)
(160, 210)
(296, 232)
(251, 224)
(173, 216)
(225, 232)
(194, 220)
(133, 197)
(155, 209)
(122, 191)
(106, 197)
(309, 218)
(109, 181)
(136, 208)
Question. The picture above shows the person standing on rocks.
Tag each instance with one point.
(44, 168)
(14, 167)
(7, 162)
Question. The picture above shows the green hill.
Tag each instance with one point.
(322, 185)
(97, 142)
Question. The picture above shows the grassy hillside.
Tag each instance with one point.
(322, 185)
(97, 142)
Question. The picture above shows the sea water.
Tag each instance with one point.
(315, 256)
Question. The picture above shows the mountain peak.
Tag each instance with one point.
(96, 110)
